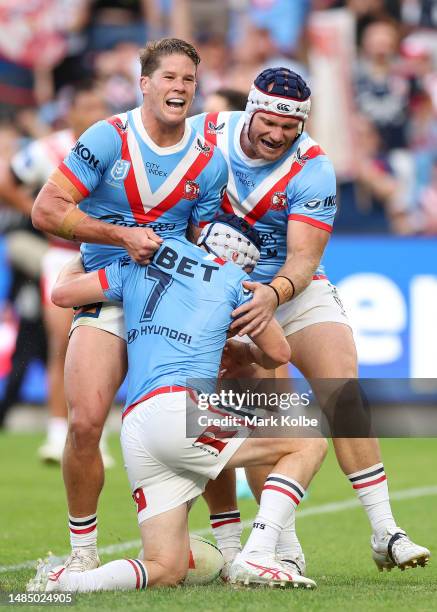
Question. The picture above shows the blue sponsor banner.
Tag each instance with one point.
(389, 288)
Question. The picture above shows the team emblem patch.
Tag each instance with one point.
(120, 170)
(279, 201)
(215, 129)
(191, 190)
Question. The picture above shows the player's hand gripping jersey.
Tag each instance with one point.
(128, 180)
(177, 312)
(299, 186)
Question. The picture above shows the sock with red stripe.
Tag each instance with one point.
(83, 530)
(126, 574)
(279, 499)
(227, 529)
(372, 490)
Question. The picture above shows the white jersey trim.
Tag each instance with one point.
(176, 148)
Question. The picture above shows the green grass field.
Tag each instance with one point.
(335, 539)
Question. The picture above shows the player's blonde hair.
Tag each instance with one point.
(155, 49)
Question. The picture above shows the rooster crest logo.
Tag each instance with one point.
(279, 201)
(191, 190)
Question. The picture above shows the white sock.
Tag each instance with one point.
(57, 430)
(83, 530)
(279, 499)
(288, 546)
(227, 529)
(126, 574)
(372, 489)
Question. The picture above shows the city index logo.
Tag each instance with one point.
(85, 154)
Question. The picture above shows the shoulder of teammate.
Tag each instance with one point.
(92, 154)
(113, 277)
(311, 194)
(211, 125)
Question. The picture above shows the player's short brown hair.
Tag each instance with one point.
(155, 49)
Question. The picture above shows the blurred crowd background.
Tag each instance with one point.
(371, 65)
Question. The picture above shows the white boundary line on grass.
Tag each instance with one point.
(331, 508)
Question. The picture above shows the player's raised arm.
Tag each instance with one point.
(310, 219)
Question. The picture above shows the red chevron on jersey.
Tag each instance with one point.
(260, 199)
(146, 205)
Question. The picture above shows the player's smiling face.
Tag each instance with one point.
(270, 136)
(169, 90)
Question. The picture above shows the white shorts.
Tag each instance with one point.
(51, 264)
(107, 316)
(164, 467)
(318, 303)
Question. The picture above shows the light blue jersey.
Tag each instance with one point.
(300, 186)
(177, 312)
(129, 181)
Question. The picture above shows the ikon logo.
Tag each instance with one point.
(283, 108)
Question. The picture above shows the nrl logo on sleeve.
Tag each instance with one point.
(215, 129)
(191, 190)
(279, 201)
(120, 169)
(203, 147)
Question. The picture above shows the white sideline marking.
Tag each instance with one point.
(331, 508)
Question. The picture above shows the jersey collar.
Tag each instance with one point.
(176, 148)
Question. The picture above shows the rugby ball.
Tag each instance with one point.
(206, 562)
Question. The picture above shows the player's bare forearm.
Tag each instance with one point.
(75, 287)
(300, 268)
(305, 247)
(55, 211)
(52, 207)
(275, 352)
(272, 348)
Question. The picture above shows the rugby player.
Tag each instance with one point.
(29, 170)
(178, 311)
(129, 182)
(283, 184)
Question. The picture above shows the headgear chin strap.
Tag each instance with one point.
(279, 91)
(231, 238)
